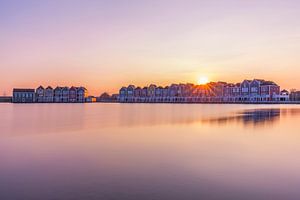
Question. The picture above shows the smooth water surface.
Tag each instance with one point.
(149, 151)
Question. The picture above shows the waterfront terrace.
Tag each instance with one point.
(50, 95)
(256, 90)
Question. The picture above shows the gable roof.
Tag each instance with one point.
(40, 87)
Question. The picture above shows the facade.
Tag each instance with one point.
(39, 94)
(82, 94)
(58, 95)
(5, 99)
(294, 96)
(50, 95)
(268, 90)
(65, 94)
(91, 99)
(283, 96)
(73, 94)
(23, 96)
(245, 90)
(256, 90)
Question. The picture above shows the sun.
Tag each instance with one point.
(203, 80)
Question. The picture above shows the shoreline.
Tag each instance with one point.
(253, 103)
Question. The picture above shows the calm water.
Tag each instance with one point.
(149, 151)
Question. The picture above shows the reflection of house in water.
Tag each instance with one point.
(262, 115)
(247, 117)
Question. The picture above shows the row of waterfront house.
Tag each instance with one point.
(50, 95)
(256, 90)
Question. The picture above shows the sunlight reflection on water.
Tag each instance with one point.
(149, 151)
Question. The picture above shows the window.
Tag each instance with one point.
(254, 89)
(245, 89)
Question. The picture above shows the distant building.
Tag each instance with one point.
(123, 94)
(73, 94)
(283, 96)
(23, 95)
(114, 97)
(105, 97)
(256, 90)
(295, 96)
(245, 90)
(65, 95)
(82, 94)
(5, 99)
(91, 99)
(40, 94)
(58, 95)
(49, 95)
(268, 91)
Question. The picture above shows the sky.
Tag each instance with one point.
(106, 44)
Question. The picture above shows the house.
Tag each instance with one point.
(173, 90)
(65, 95)
(283, 96)
(159, 91)
(73, 94)
(122, 94)
(130, 90)
(228, 90)
(23, 95)
(49, 95)
(114, 97)
(268, 90)
(236, 91)
(58, 95)
(245, 90)
(151, 90)
(295, 96)
(82, 94)
(104, 97)
(145, 92)
(90, 99)
(40, 93)
(166, 91)
(188, 90)
(5, 99)
(254, 90)
(137, 92)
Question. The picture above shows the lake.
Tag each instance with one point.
(149, 151)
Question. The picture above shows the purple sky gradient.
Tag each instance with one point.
(106, 44)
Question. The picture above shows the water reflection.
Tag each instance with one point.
(149, 151)
(57, 118)
(255, 117)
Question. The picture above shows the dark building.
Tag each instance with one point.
(23, 96)
(5, 99)
(295, 96)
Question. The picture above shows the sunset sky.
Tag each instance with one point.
(106, 44)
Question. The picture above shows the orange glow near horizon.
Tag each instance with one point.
(103, 51)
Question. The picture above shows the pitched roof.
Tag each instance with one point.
(268, 83)
(58, 88)
(41, 87)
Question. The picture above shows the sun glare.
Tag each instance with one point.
(203, 80)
